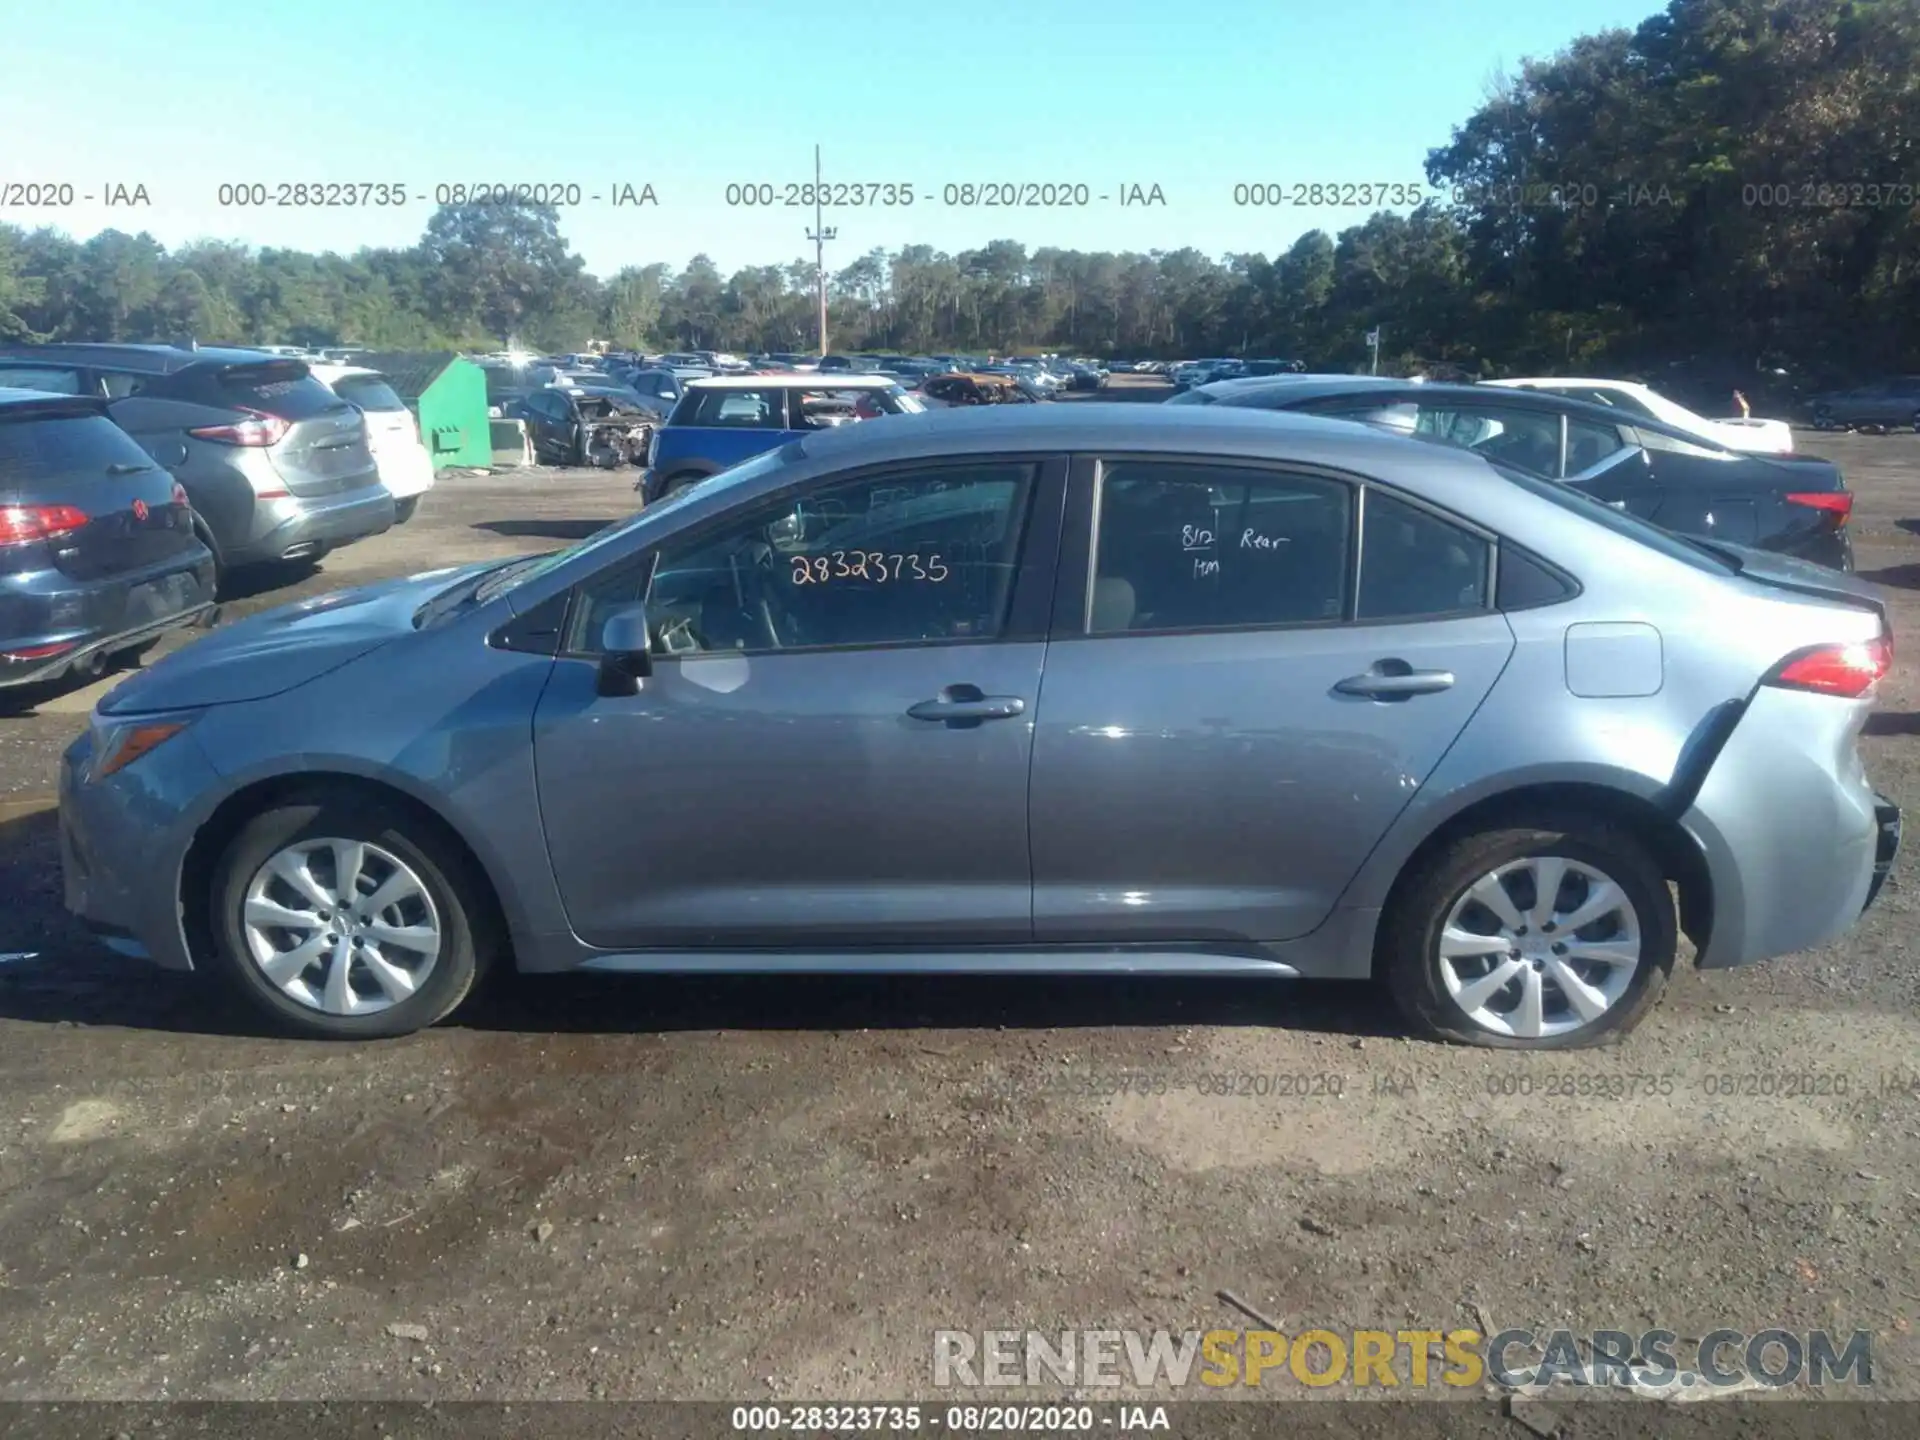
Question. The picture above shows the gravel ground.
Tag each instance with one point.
(764, 1188)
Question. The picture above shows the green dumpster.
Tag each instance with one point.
(448, 396)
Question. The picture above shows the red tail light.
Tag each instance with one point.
(24, 524)
(1838, 503)
(257, 431)
(1848, 671)
(39, 652)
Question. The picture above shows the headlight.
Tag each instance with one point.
(116, 746)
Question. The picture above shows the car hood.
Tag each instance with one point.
(271, 653)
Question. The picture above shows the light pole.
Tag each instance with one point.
(819, 235)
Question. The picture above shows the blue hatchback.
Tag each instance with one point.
(727, 419)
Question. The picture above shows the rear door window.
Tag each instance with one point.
(369, 392)
(1202, 546)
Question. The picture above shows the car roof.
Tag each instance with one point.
(1568, 380)
(1236, 394)
(1252, 434)
(147, 359)
(330, 371)
(811, 381)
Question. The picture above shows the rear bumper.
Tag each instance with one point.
(1795, 841)
(405, 471)
(302, 527)
(76, 621)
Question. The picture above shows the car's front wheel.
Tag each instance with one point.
(346, 918)
(1554, 934)
(1823, 419)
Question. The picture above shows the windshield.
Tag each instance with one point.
(516, 573)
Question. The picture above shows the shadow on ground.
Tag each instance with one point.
(542, 529)
(1892, 722)
(54, 973)
(1903, 577)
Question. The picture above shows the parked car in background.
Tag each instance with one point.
(1796, 505)
(974, 389)
(1766, 437)
(582, 425)
(98, 555)
(660, 389)
(393, 433)
(727, 419)
(277, 466)
(1515, 718)
(1254, 368)
(1893, 403)
(1087, 377)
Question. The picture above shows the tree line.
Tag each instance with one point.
(1733, 180)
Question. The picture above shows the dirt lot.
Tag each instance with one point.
(771, 1189)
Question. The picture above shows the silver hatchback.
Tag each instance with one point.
(1167, 691)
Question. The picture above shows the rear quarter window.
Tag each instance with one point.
(37, 453)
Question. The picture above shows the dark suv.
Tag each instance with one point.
(98, 555)
(276, 464)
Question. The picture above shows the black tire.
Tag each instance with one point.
(1916, 422)
(1407, 957)
(205, 536)
(685, 480)
(403, 510)
(457, 894)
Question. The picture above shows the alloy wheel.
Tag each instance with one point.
(341, 926)
(1539, 947)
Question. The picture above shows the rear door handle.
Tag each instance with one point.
(966, 704)
(1385, 685)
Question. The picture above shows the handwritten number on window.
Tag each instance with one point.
(876, 567)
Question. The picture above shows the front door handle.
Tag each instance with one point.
(1397, 683)
(966, 704)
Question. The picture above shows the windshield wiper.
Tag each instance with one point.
(467, 592)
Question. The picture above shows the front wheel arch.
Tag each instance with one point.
(210, 842)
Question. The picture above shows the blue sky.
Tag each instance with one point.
(182, 96)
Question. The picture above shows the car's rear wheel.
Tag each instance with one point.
(685, 480)
(1554, 934)
(346, 918)
(1822, 418)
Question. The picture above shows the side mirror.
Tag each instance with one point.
(626, 651)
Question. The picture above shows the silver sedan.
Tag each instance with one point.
(1120, 690)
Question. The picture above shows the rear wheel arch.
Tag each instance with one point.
(232, 815)
(1676, 852)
